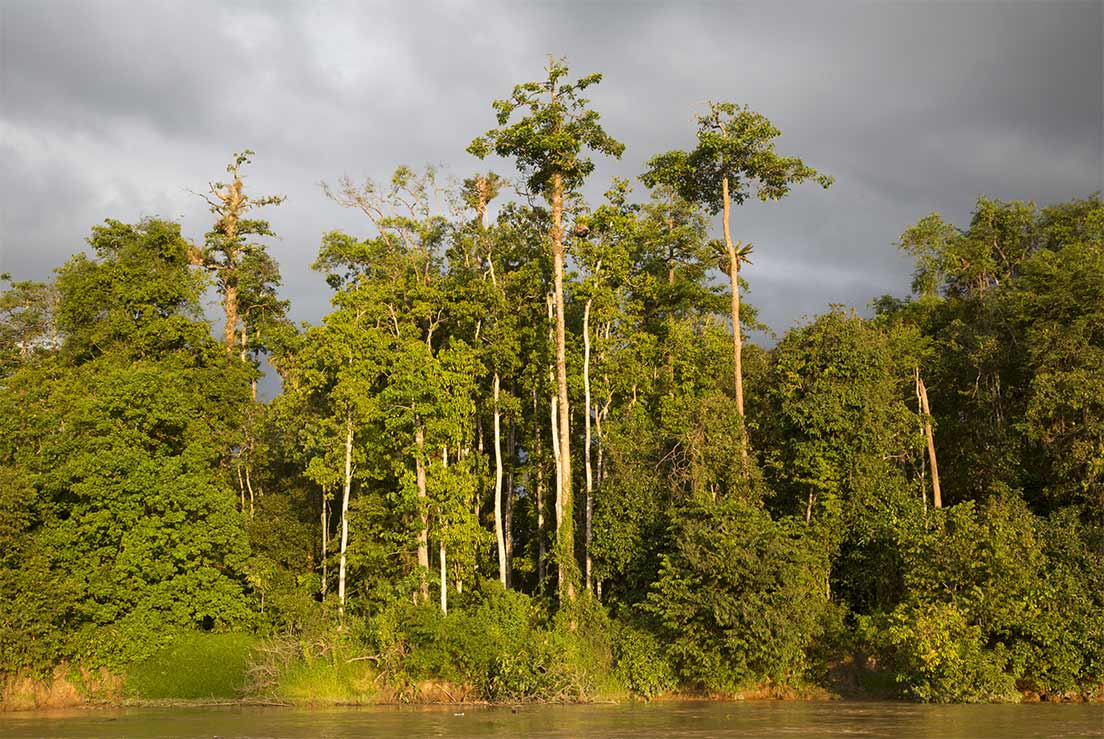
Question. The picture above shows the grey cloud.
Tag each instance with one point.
(116, 110)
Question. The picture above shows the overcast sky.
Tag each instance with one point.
(118, 109)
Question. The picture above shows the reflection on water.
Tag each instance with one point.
(745, 720)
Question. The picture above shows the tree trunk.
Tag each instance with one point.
(423, 513)
(539, 459)
(500, 539)
(441, 551)
(230, 306)
(249, 487)
(508, 499)
(444, 581)
(586, 442)
(325, 543)
(737, 338)
(937, 497)
(346, 490)
(565, 538)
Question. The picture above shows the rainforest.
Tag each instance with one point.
(532, 452)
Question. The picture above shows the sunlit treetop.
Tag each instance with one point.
(554, 129)
(736, 143)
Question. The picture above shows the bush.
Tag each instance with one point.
(496, 645)
(640, 663)
(740, 599)
(939, 657)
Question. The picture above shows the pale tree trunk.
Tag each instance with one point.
(423, 513)
(586, 442)
(249, 487)
(922, 390)
(253, 380)
(241, 485)
(554, 426)
(508, 499)
(234, 201)
(539, 493)
(565, 535)
(444, 581)
(737, 339)
(554, 418)
(346, 490)
(230, 306)
(441, 552)
(500, 539)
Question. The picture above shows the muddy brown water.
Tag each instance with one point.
(854, 720)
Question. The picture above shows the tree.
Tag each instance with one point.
(734, 159)
(28, 321)
(119, 444)
(228, 253)
(547, 145)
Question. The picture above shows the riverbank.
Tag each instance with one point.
(78, 689)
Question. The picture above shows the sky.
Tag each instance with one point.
(124, 110)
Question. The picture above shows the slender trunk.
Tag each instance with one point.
(737, 339)
(249, 487)
(937, 497)
(508, 499)
(565, 538)
(441, 551)
(423, 512)
(241, 487)
(554, 418)
(539, 493)
(325, 543)
(444, 581)
(554, 427)
(586, 442)
(500, 539)
(345, 510)
(253, 380)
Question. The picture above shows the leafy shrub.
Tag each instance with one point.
(640, 663)
(939, 657)
(740, 599)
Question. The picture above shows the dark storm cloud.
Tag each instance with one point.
(112, 109)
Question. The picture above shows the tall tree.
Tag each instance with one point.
(734, 159)
(548, 144)
(228, 246)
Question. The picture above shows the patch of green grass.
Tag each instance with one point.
(195, 665)
(327, 681)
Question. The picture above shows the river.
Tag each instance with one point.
(638, 721)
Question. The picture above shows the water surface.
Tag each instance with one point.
(637, 721)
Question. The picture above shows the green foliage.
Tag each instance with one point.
(114, 447)
(496, 643)
(737, 145)
(549, 140)
(640, 661)
(740, 599)
(977, 621)
(940, 657)
(156, 519)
